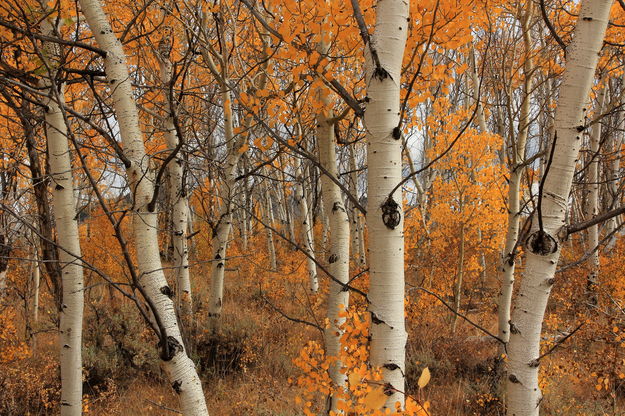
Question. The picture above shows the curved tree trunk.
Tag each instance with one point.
(385, 212)
(177, 365)
(544, 244)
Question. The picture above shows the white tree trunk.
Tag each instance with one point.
(385, 212)
(63, 202)
(592, 204)
(3, 282)
(179, 201)
(5, 251)
(287, 206)
(269, 220)
(307, 230)
(543, 245)
(224, 226)
(508, 259)
(358, 244)
(36, 276)
(338, 256)
(325, 225)
(613, 181)
(177, 365)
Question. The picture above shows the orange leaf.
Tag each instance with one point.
(375, 399)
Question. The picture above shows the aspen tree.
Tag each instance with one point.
(5, 250)
(177, 191)
(612, 174)
(357, 228)
(221, 235)
(545, 242)
(592, 202)
(301, 200)
(338, 254)
(269, 220)
(174, 359)
(35, 277)
(235, 148)
(384, 53)
(63, 205)
(514, 185)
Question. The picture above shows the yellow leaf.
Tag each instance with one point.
(375, 399)
(424, 379)
(354, 379)
(244, 148)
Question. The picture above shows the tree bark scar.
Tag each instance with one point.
(396, 133)
(381, 73)
(177, 386)
(167, 291)
(174, 347)
(541, 243)
(391, 366)
(391, 217)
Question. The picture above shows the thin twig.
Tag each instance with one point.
(163, 406)
(477, 326)
(560, 342)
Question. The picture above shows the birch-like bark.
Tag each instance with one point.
(176, 364)
(36, 276)
(508, 260)
(234, 147)
(224, 226)
(613, 181)
(306, 221)
(5, 251)
(358, 244)
(288, 215)
(269, 219)
(481, 118)
(241, 215)
(63, 205)
(3, 282)
(67, 237)
(44, 215)
(592, 204)
(179, 199)
(385, 212)
(338, 255)
(325, 224)
(544, 244)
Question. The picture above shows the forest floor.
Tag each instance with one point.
(250, 368)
